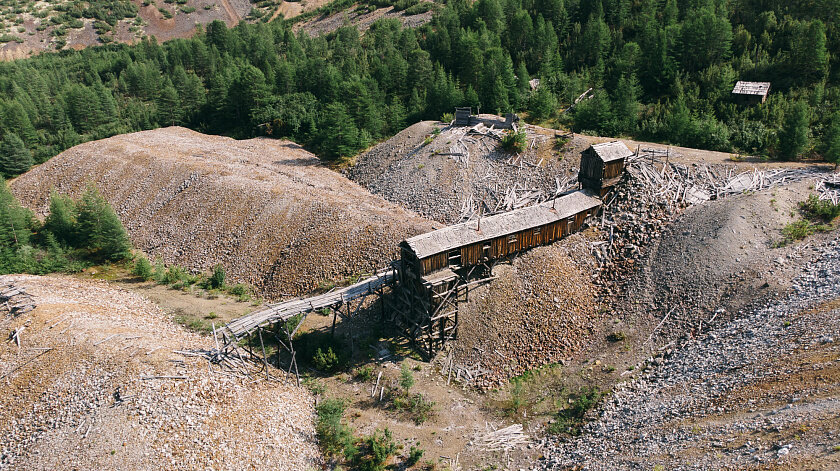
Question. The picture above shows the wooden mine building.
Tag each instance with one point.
(438, 268)
(750, 93)
(602, 165)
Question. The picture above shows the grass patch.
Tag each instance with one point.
(823, 210)
(818, 217)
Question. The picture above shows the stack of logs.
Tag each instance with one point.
(15, 301)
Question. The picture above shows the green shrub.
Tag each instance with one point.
(160, 270)
(175, 274)
(514, 141)
(414, 456)
(571, 419)
(406, 377)
(241, 291)
(334, 438)
(417, 406)
(616, 336)
(377, 450)
(142, 268)
(326, 361)
(217, 279)
(364, 373)
(797, 231)
(61, 222)
(447, 117)
(187, 10)
(816, 209)
(99, 228)
(166, 13)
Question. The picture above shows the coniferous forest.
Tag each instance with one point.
(660, 70)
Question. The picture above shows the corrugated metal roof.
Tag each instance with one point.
(751, 88)
(609, 151)
(459, 235)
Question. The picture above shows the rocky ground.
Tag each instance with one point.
(362, 18)
(95, 383)
(267, 210)
(760, 392)
(437, 179)
(540, 309)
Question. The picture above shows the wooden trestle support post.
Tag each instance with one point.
(425, 310)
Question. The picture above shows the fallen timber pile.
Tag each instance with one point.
(15, 300)
(282, 312)
(518, 195)
(459, 150)
(504, 439)
(655, 190)
(828, 188)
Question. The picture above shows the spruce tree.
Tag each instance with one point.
(15, 158)
(100, 230)
(15, 221)
(62, 220)
(793, 137)
(832, 141)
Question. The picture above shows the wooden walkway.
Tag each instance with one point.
(281, 312)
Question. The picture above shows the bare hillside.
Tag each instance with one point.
(265, 209)
(95, 384)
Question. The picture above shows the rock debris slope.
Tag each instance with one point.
(265, 209)
(760, 392)
(437, 175)
(95, 384)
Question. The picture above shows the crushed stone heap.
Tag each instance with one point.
(266, 209)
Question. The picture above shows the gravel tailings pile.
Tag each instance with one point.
(540, 309)
(428, 179)
(83, 391)
(265, 209)
(762, 392)
(717, 257)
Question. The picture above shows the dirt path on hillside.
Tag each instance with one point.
(234, 17)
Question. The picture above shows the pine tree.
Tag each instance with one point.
(626, 104)
(339, 136)
(62, 220)
(100, 230)
(543, 103)
(15, 158)
(15, 223)
(832, 141)
(168, 105)
(793, 137)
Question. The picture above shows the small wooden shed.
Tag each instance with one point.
(601, 166)
(751, 93)
(497, 236)
(462, 116)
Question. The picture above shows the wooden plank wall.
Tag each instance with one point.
(499, 247)
(613, 169)
(591, 165)
(435, 263)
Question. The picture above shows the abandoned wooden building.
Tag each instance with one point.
(601, 166)
(750, 93)
(462, 116)
(438, 268)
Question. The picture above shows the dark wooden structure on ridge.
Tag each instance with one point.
(750, 93)
(438, 268)
(602, 165)
(462, 116)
